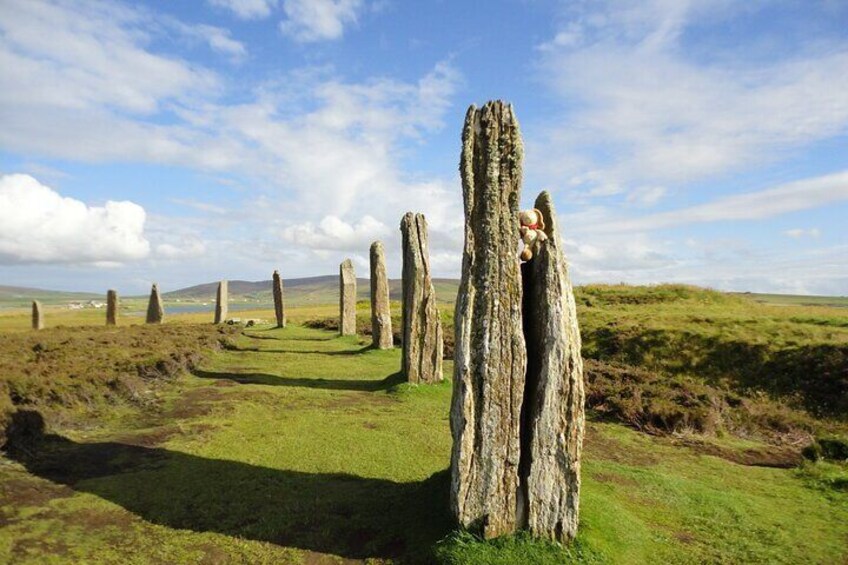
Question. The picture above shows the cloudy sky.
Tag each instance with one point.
(701, 141)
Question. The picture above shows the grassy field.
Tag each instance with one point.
(195, 444)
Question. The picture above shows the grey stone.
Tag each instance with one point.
(279, 302)
(421, 360)
(112, 308)
(37, 315)
(553, 417)
(517, 414)
(222, 300)
(381, 315)
(347, 298)
(490, 354)
(155, 310)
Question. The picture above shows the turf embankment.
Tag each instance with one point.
(680, 359)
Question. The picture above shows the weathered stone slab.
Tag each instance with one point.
(155, 309)
(347, 298)
(222, 300)
(112, 308)
(423, 345)
(279, 302)
(552, 413)
(381, 315)
(37, 315)
(490, 354)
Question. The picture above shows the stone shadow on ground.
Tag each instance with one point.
(326, 384)
(344, 353)
(336, 513)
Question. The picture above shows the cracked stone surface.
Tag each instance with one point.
(490, 355)
(421, 360)
(517, 414)
(347, 298)
(381, 315)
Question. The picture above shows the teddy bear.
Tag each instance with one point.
(531, 228)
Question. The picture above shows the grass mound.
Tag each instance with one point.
(61, 370)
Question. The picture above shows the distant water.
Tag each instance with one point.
(199, 308)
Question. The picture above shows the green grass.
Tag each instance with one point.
(298, 446)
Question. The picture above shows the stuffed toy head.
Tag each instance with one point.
(532, 219)
(531, 229)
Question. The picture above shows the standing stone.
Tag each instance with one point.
(553, 419)
(112, 308)
(347, 298)
(37, 315)
(422, 327)
(490, 355)
(155, 310)
(222, 300)
(279, 305)
(381, 316)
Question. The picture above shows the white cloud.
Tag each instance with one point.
(94, 61)
(318, 20)
(790, 197)
(638, 106)
(38, 225)
(247, 9)
(798, 233)
(332, 233)
(219, 40)
(185, 249)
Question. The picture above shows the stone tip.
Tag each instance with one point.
(545, 204)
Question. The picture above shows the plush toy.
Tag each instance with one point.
(531, 229)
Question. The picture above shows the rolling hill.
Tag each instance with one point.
(309, 290)
(19, 296)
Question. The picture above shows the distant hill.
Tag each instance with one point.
(308, 290)
(796, 299)
(13, 296)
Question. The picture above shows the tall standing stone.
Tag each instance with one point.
(279, 304)
(517, 409)
(155, 310)
(381, 316)
(112, 308)
(347, 298)
(421, 361)
(490, 355)
(553, 419)
(222, 302)
(37, 315)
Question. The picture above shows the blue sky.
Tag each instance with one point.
(703, 142)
